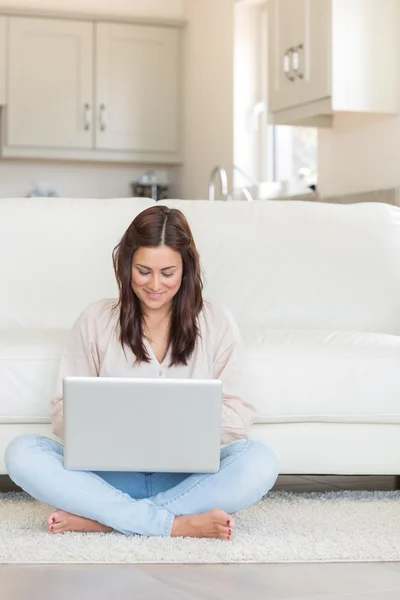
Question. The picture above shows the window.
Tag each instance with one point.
(294, 153)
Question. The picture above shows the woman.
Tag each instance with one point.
(159, 327)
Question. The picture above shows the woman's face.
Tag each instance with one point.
(156, 276)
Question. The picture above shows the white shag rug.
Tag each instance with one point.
(283, 527)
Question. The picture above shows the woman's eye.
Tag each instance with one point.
(148, 273)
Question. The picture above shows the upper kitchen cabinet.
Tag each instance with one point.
(91, 90)
(328, 56)
(50, 84)
(137, 88)
(300, 46)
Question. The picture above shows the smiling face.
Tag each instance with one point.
(156, 276)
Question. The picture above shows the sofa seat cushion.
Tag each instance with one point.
(29, 362)
(324, 376)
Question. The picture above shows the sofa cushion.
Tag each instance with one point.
(324, 376)
(279, 265)
(295, 376)
(28, 369)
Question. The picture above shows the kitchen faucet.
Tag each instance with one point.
(224, 183)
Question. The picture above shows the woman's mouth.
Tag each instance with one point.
(154, 296)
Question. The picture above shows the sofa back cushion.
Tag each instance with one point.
(302, 265)
(291, 265)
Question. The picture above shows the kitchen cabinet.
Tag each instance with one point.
(328, 56)
(87, 90)
(137, 87)
(50, 84)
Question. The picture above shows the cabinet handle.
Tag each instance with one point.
(296, 62)
(102, 117)
(87, 117)
(288, 64)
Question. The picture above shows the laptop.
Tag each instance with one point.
(142, 425)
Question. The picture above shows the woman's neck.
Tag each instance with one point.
(155, 318)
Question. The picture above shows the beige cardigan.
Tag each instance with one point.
(93, 350)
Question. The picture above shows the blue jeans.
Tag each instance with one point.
(141, 503)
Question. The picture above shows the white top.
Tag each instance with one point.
(94, 350)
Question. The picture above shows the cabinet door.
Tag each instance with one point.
(315, 56)
(137, 88)
(300, 29)
(50, 83)
(286, 30)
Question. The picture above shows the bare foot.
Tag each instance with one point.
(213, 524)
(61, 521)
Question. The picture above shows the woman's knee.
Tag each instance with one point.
(20, 451)
(17, 452)
(262, 465)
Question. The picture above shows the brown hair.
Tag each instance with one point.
(160, 226)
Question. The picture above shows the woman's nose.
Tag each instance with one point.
(155, 283)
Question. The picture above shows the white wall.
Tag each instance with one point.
(75, 179)
(207, 116)
(361, 153)
(173, 9)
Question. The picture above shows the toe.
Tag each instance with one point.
(54, 517)
(225, 518)
(225, 532)
(58, 527)
(51, 519)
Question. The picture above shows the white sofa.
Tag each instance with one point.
(314, 287)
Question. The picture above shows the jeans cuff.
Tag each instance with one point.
(169, 520)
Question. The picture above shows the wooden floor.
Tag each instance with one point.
(342, 581)
(202, 582)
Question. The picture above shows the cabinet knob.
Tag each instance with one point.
(87, 116)
(288, 64)
(102, 117)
